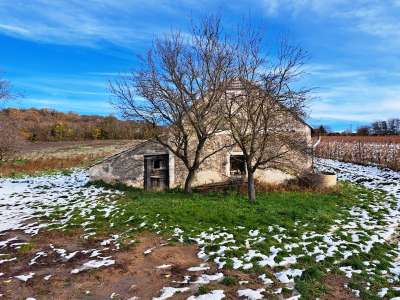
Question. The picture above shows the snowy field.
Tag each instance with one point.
(358, 234)
(22, 200)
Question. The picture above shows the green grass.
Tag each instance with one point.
(199, 211)
(26, 248)
(229, 280)
(281, 217)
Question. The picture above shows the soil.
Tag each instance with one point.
(134, 274)
(336, 291)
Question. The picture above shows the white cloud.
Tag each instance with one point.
(357, 103)
(346, 94)
(102, 107)
(14, 29)
(88, 22)
(376, 18)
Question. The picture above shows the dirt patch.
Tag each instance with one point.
(133, 274)
(336, 290)
(141, 269)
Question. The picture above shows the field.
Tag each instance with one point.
(61, 238)
(47, 157)
(380, 150)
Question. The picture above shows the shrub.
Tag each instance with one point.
(10, 140)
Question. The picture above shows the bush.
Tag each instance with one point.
(10, 140)
(228, 280)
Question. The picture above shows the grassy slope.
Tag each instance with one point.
(197, 213)
(295, 212)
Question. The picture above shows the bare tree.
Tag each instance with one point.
(262, 115)
(179, 87)
(5, 92)
(9, 139)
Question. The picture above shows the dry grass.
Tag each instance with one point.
(380, 150)
(393, 139)
(294, 185)
(240, 186)
(43, 165)
(49, 157)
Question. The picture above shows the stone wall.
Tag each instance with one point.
(126, 167)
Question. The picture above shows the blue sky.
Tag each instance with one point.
(60, 54)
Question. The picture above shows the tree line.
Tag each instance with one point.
(380, 127)
(49, 125)
(388, 127)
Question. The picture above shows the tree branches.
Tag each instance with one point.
(265, 115)
(180, 85)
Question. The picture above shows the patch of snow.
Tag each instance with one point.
(94, 264)
(168, 292)
(25, 277)
(201, 267)
(251, 294)
(213, 295)
(205, 278)
(148, 251)
(164, 266)
(265, 279)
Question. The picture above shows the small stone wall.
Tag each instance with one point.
(126, 167)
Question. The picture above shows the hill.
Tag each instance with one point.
(50, 125)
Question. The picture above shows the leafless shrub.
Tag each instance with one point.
(5, 90)
(10, 140)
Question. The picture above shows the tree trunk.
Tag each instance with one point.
(251, 190)
(188, 182)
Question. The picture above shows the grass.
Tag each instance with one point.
(229, 280)
(202, 211)
(281, 217)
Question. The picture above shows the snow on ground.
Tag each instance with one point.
(21, 200)
(357, 231)
(370, 176)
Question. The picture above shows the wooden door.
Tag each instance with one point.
(156, 172)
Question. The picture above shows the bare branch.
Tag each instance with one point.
(179, 87)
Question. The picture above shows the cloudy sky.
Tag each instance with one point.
(61, 53)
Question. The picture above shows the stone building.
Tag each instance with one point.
(151, 166)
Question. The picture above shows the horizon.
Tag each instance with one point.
(60, 55)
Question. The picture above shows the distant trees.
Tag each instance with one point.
(48, 125)
(389, 127)
(393, 126)
(363, 130)
(321, 130)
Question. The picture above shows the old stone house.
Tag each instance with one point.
(151, 166)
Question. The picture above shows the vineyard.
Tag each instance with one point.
(380, 150)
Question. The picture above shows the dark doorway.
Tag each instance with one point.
(237, 165)
(156, 172)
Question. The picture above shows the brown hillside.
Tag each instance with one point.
(49, 125)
